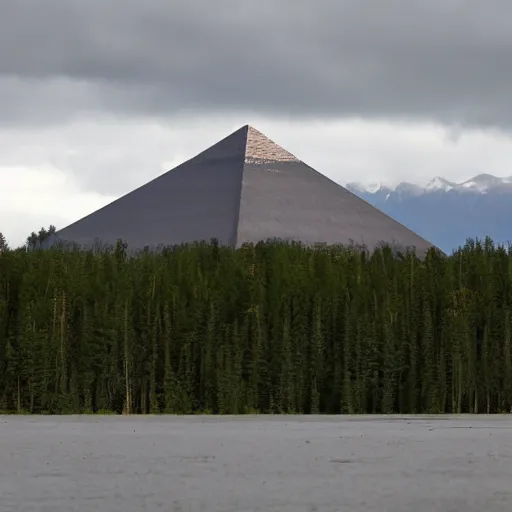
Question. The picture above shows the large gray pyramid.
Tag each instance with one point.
(243, 189)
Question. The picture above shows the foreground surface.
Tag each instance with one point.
(226, 464)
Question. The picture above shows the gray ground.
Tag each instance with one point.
(295, 464)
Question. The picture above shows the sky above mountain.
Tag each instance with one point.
(96, 99)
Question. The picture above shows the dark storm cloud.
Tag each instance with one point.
(447, 60)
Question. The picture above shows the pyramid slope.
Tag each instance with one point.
(243, 189)
(284, 198)
(197, 200)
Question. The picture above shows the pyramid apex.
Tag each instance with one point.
(248, 127)
(260, 149)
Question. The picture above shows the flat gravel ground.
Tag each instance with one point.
(256, 463)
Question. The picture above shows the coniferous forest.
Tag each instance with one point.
(271, 328)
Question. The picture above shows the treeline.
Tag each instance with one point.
(271, 328)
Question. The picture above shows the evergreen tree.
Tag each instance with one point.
(272, 328)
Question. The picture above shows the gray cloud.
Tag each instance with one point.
(442, 60)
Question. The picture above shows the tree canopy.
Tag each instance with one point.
(271, 327)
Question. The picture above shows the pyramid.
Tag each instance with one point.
(243, 189)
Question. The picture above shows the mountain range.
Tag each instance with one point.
(444, 212)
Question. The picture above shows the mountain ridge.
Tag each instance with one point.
(481, 183)
(446, 212)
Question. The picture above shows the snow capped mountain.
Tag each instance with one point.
(481, 184)
(371, 188)
(440, 184)
(408, 189)
(447, 213)
(484, 182)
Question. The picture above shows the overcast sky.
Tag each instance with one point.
(99, 97)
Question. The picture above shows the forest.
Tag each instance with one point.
(267, 328)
